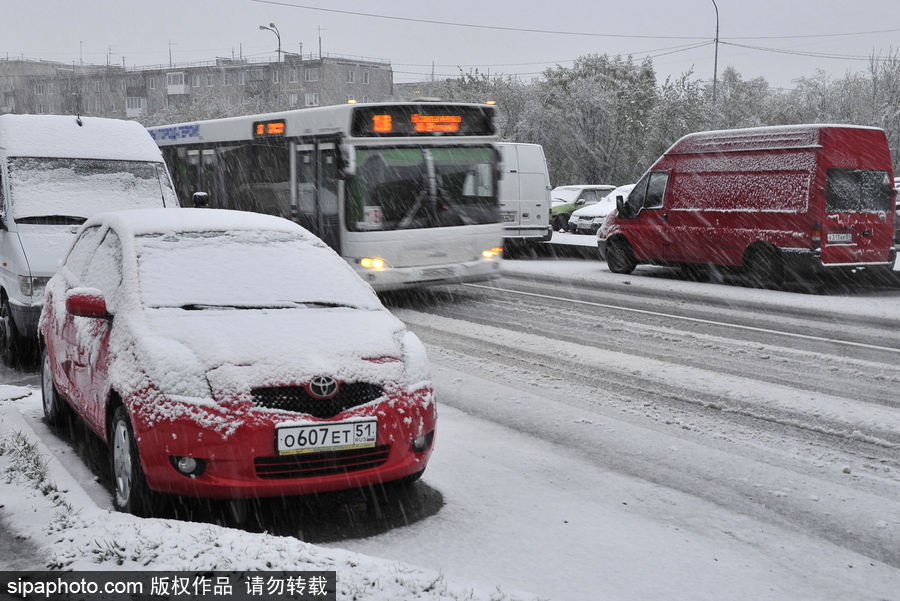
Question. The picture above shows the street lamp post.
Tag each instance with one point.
(274, 30)
(715, 63)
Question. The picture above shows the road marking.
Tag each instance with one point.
(693, 319)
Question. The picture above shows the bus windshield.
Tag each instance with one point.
(413, 187)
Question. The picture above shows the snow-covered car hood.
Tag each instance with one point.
(236, 349)
(598, 209)
(45, 246)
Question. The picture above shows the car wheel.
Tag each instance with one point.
(56, 410)
(765, 268)
(620, 257)
(12, 344)
(562, 223)
(131, 493)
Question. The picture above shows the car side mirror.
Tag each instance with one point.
(86, 302)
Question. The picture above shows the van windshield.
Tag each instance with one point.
(64, 190)
(857, 191)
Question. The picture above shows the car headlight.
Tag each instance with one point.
(415, 360)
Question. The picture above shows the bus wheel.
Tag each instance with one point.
(765, 268)
(620, 257)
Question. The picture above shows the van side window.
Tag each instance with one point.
(857, 191)
(648, 192)
(656, 188)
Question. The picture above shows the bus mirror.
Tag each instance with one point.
(200, 199)
(348, 161)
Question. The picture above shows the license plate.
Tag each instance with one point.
(843, 237)
(438, 272)
(507, 216)
(313, 438)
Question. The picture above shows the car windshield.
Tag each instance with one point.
(406, 188)
(245, 270)
(42, 188)
(564, 194)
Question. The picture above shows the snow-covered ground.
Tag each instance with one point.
(523, 517)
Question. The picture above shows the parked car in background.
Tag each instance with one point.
(565, 200)
(524, 194)
(587, 220)
(227, 354)
(55, 171)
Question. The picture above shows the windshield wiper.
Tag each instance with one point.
(51, 220)
(273, 305)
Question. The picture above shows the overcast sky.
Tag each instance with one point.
(512, 37)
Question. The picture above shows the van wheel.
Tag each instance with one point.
(765, 268)
(12, 344)
(620, 257)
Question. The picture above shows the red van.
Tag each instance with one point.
(770, 201)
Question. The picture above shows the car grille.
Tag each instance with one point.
(326, 463)
(297, 399)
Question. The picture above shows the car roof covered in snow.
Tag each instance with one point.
(137, 222)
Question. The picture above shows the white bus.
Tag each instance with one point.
(406, 192)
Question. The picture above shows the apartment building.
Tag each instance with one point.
(220, 88)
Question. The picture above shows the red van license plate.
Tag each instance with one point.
(843, 237)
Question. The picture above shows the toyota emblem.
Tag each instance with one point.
(323, 387)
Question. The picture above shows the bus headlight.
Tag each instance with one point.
(373, 263)
(492, 253)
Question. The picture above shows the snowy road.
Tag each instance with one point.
(637, 437)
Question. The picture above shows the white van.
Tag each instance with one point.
(525, 193)
(55, 172)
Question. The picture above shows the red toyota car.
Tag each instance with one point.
(231, 355)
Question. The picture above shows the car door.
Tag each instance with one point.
(89, 340)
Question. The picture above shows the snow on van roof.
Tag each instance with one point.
(72, 137)
(756, 138)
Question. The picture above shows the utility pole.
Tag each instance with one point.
(715, 67)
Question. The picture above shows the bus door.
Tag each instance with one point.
(316, 205)
(199, 174)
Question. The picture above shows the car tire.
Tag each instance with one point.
(56, 410)
(620, 257)
(12, 344)
(561, 223)
(130, 491)
(765, 268)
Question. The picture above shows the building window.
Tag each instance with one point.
(365, 99)
(50, 110)
(312, 100)
(134, 103)
(97, 86)
(226, 79)
(351, 76)
(195, 81)
(124, 85)
(98, 107)
(242, 78)
(152, 81)
(293, 100)
(40, 109)
(39, 90)
(209, 80)
(228, 101)
(365, 77)
(312, 74)
(276, 76)
(258, 75)
(351, 98)
(292, 76)
(174, 79)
